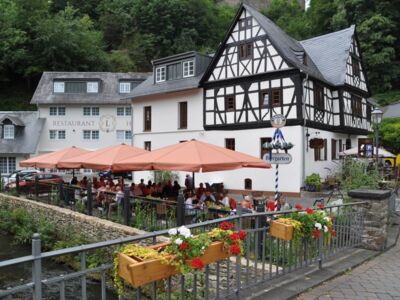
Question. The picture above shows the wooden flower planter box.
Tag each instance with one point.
(138, 272)
(281, 230)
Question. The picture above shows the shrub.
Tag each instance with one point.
(358, 174)
(314, 180)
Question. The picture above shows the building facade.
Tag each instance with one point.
(85, 109)
(19, 138)
(319, 85)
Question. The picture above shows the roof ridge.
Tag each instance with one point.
(328, 34)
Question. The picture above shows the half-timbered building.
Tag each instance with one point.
(258, 71)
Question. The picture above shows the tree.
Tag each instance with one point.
(12, 39)
(319, 16)
(66, 42)
(389, 133)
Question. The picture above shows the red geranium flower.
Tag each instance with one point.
(309, 210)
(235, 249)
(334, 233)
(226, 225)
(320, 205)
(184, 245)
(242, 234)
(271, 205)
(316, 233)
(298, 206)
(197, 263)
(234, 236)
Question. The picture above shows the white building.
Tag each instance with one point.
(19, 137)
(257, 72)
(84, 109)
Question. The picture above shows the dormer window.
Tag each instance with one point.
(188, 68)
(59, 87)
(9, 132)
(92, 87)
(124, 87)
(160, 74)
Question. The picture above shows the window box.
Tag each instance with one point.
(139, 272)
(281, 230)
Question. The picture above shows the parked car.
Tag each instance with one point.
(109, 174)
(27, 183)
(22, 173)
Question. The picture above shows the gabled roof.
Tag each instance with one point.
(108, 88)
(287, 46)
(14, 120)
(330, 53)
(27, 138)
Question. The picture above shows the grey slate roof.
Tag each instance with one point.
(291, 49)
(330, 53)
(16, 121)
(392, 110)
(108, 88)
(148, 87)
(26, 138)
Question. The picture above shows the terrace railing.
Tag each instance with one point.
(265, 258)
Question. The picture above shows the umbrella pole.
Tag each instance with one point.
(193, 184)
(73, 173)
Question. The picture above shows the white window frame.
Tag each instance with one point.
(95, 111)
(124, 87)
(61, 134)
(188, 68)
(59, 87)
(9, 132)
(6, 162)
(120, 135)
(87, 134)
(120, 111)
(161, 74)
(92, 87)
(52, 134)
(53, 110)
(128, 111)
(87, 110)
(128, 135)
(61, 110)
(95, 135)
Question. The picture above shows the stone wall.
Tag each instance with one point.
(376, 213)
(95, 229)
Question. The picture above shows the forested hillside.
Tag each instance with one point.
(125, 35)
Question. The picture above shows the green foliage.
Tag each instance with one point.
(164, 176)
(314, 180)
(389, 134)
(358, 174)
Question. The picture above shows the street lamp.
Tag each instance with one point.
(376, 119)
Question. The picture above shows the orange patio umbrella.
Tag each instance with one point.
(190, 156)
(102, 159)
(50, 160)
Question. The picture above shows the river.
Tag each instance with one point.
(19, 274)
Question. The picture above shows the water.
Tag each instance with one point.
(19, 274)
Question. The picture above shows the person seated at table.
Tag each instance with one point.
(137, 190)
(200, 191)
(232, 204)
(249, 200)
(224, 198)
(146, 190)
(270, 205)
(74, 181)
(110, 183)
(83, 183)
(207, 197)
(132, 189)
(189, 182)
(96, 183)
(102, 182)
(189, 201)
(141, 184)
(167, 190)
(175, 189)
(245, 204)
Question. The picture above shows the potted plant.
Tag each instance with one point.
(184, 252)
(313, 182)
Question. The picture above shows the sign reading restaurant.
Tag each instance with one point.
(78, 123)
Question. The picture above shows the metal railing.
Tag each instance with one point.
(265, 258)
(140, 212)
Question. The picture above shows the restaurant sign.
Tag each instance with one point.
(278, 158)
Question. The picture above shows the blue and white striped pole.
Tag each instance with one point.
(276, 187)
